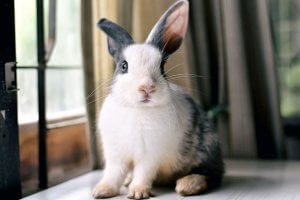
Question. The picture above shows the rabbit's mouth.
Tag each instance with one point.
(146, 100)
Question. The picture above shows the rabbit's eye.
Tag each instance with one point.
(124, 67)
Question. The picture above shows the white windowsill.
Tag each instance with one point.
(243, 180)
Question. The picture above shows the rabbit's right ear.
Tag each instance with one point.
(169, 31)
(118, 38)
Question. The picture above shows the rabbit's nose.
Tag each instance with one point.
(147, 89)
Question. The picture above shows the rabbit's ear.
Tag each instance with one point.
(118, 38)
(168, 32)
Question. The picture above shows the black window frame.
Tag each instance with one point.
(10, 183)
(10, 180)
(42, 67)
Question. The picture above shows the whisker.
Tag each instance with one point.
(162, 77)
(191, 89)
(97, 99)
(172, 68)
(102, 84)
(179, 78)
(187, 75)
(177, 53)
(165, 45)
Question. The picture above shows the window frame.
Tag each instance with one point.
(44, 125)
(10, 184)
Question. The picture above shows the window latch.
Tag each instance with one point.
(10, 77)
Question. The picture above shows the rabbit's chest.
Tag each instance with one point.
(139, 133)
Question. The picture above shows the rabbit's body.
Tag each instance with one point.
(153, 135)
(174, 139)
(149, 126)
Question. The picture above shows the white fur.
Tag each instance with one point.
(145, 135)
(143, 61)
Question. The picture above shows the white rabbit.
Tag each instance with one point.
(150, 127)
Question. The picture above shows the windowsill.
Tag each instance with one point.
(55, 122)
(243, 180)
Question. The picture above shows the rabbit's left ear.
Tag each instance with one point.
(169, 31)
(118, 38)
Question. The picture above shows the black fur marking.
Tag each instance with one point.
(195, 111)
(162, 67)
(212, 168)
(207, 146)
(189, 143)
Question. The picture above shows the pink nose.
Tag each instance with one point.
(147, 89)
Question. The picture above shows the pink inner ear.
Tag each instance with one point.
(176, 23)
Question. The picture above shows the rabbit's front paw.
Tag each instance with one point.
(139, 192)
(102, 190)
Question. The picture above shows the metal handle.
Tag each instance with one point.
(10, 78)
(51, 29)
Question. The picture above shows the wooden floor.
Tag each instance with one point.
(253, 180)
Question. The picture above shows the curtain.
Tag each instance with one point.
(228, 45)
(233, 44)
(97, 67)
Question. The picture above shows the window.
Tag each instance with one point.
(67, 148)
(287, 44)
(286, 20)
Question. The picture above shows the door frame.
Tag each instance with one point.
(10, 184)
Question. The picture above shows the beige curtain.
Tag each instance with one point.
(136, 17)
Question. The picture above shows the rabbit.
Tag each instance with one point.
(151, 128)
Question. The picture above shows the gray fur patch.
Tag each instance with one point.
(201, 145)
(118, 38)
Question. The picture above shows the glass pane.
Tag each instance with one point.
(287, 32)
(65, 95)
(27, 96)
(67, 50)
(25, 24)
(290, 90)
(28, 138)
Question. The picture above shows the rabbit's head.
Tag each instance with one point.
(139, 78)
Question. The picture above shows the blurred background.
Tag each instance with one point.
(240, 59)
